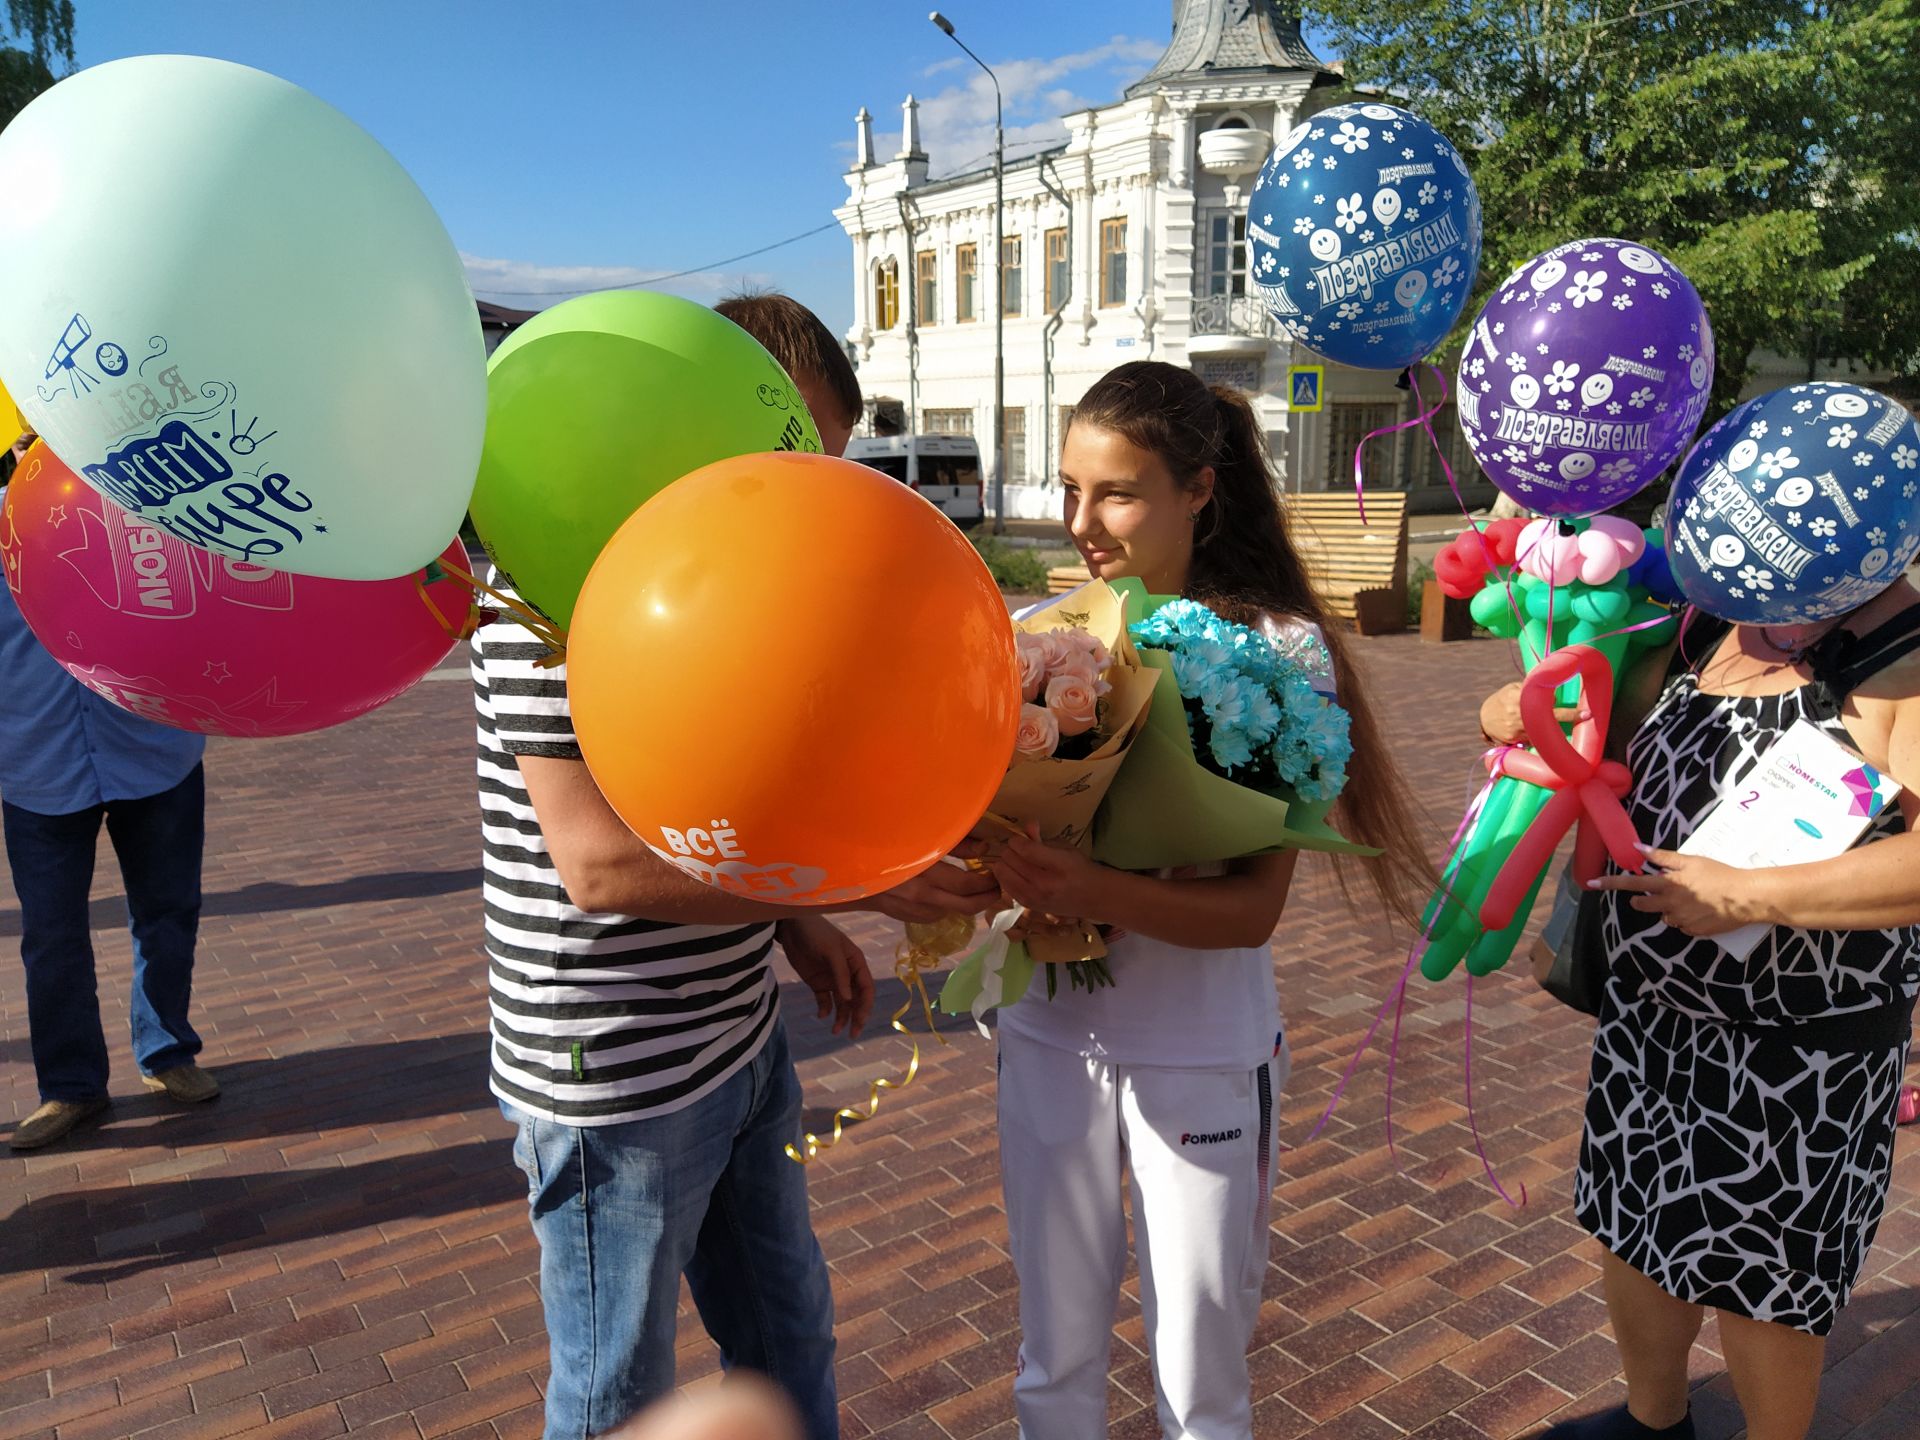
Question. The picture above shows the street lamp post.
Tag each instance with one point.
(999, 284)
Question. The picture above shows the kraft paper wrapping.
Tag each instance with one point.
(1061, 797)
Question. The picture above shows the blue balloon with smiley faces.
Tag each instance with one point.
(1365, 235)
(1800, 505)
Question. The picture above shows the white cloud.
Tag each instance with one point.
(529, 285)
(956, 123)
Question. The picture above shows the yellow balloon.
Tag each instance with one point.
(7, 407)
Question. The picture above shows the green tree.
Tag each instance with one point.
(42, 32)
(1771, 149)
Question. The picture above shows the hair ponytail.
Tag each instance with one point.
(1245, 565)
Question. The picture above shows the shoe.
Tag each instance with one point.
(1617, 1424)
(53, 1120)
(188, 1084)
(1908, 1110)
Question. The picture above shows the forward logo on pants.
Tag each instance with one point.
(1216, 1137)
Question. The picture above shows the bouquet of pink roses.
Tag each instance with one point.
(1086, 696)
(1063, 678)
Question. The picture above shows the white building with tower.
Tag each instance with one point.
(1125, 241)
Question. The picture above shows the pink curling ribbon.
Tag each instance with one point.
(1425, 421)
(1473, 1124)
(1397, 997)
(1421, 421)
(1587, 788)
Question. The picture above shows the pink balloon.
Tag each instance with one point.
(1606, 547)
(1599, 557)
(200, 642)
(1548, 555)
(1631, 539)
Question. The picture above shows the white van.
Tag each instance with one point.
(943, 468)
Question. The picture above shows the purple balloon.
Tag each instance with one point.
(1585, 376)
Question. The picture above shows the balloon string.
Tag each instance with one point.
(1424, 419)
(548, 633)
(1658, 620)
(1687, 617)
(1553, 592)
(464, 630)
(910, 961)
(1473, 1124)
(1414, 953)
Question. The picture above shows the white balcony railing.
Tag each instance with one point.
(1234, 315)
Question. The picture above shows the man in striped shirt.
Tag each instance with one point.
(643, 1059)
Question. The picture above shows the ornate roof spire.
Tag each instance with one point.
(910, 148)
(862, 139)
(1215, 36)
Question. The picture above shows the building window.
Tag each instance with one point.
(1424, 470)
(1113, 262)
(1010, 275)
(947, 422)
(1348, 425)
(926, 267)
(1059, 277)
(966, 267)
(886, 295)
(1226, 263)
(1015, 420)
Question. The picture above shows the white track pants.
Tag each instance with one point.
(1199, 1147)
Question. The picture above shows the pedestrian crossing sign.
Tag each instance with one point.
(1305, 384)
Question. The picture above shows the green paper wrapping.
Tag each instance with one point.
(962, 986)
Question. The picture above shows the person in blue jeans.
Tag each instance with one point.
(637, 1041)
(68, 760)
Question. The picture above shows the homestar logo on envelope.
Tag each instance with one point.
(1870, 790)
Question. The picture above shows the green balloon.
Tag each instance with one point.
(1494, 947)
(596, 406)
(1493, 611)
(1455, 930)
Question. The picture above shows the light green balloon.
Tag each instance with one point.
(228, 309)
(596, 406)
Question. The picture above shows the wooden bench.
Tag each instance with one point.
(1062, 578)
(1359, 570)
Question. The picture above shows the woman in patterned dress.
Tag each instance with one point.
(1738, 1143)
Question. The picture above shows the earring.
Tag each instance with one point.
(1193, 517)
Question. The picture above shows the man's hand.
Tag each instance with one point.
(834, 969)
(942, 890)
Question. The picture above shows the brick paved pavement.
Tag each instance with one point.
(340, 1244)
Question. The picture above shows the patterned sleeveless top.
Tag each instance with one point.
(1686, 755)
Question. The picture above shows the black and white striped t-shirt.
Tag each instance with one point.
(597, 1019)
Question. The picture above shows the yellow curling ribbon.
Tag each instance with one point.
(925, 947)
(544, 630)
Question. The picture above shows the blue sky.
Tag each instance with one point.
(583, 143)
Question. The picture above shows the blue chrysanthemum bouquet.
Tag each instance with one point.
(1253, 714)
(1241, 755)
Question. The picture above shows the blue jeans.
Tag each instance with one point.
(159, 842)
(621, 1211)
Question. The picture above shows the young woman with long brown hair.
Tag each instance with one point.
(1174, 1072)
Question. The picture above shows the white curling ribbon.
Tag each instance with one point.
(993, 960)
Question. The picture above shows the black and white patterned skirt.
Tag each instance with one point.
(1734, 1170)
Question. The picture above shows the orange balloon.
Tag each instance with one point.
(794, 679)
